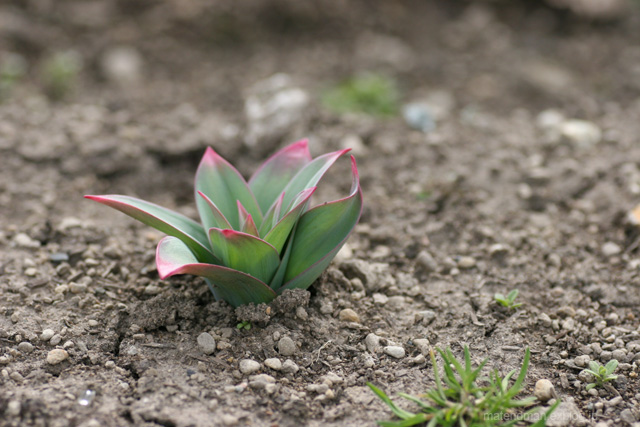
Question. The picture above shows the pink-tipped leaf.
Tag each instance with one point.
(246, 253)
(223, 185)
(246, 221)
(163, 219)
(237, 288)
(308, 177)
(280, 233)
(215, 216)
(319, 235)
(271, 217)
(275, 173)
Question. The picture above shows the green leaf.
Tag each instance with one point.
(400, 413)
(246, 221)
(512, 295)
(319, 235)
(214, 216)
(282, 230)
(270, 219)
(163, 219)
(237, 288)
(222, 183)
(594, 367)
(611, 366)
(245, 253)
(309, 176)
(273, 176)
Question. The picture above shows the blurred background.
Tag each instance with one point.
(109, 86)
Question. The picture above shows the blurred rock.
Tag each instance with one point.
(272, 108)
(122, 65)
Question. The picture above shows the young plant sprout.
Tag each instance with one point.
(466, 399)
(601, 374)
(509, 300)
(257, 238)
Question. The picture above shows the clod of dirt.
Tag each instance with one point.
(285, 304)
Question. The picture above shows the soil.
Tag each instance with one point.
(507, 191)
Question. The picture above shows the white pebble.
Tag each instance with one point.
(248, 366)
(544, 390)
(273, 363)
(394, 351)
(56, 356)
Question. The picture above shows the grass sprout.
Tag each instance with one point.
(601, 374)
(508, 301)
(463, 398)
(371, 94)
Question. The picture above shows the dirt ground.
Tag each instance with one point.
(524, 181)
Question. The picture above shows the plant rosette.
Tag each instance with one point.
(257, 238)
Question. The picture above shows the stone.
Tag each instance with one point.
(24, 241)
(394, 351)
(290, 367)
(380, 299)
(25, 347)
(273, 363)
(466, 262)
(57, 356)
(582, 133)
(286, 346)
(582, 361)
(610, 249)
(423, 345)
(206, 343)
(567, 414)
(348, 315)
(544, 390)
(426, 262)
(372, 342)
(122, 65)
(248, 366)
(272, 107)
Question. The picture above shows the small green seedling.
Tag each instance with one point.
(258, 238)
(369, 94)
(59, 74)
(246, 325)
(509, 300)
(601, 374)
(466, 399)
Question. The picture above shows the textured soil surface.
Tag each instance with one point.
(524, 180)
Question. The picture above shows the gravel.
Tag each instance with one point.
(248, 366)
(57, 356)
(394, 351)
(286, 346)
(206, 343)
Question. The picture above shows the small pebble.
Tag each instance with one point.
(229, 420)
(47, 334)
(380, 299)
(426, 262)
(581, 132)
(289, 367)
(423, 345)
(582, 361)
(206, 343)
(286, 346)
(544, 390)
(273, 363)
(56, 356)
(394, 351)
(372, 342)
(25, 347)
(56, 339)
(466, 262)
(348, 315)
(16, 376)
(248, 366)
(619, 355)
(13, 408)
(24, 241)
(610, 249)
